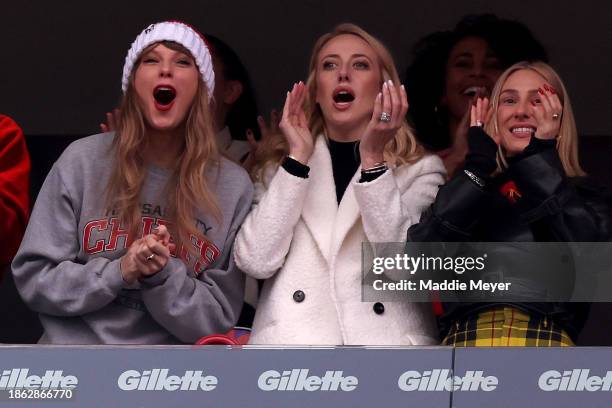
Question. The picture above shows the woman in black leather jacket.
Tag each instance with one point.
(521, 182)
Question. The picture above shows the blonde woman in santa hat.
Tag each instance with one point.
(130, 239)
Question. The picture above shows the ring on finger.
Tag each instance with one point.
(556, 116)
(148, 258)
(385, 117)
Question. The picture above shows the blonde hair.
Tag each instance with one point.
(402, 149)
(187, 188)
(567, 140)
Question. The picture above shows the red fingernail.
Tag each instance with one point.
(533, 103)
(540, 91)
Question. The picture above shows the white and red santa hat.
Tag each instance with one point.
(177, 32)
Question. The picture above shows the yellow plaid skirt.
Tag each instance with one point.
(506, 326)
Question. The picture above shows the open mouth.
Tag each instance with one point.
(164, 95)
(481, 91)
(343, 96)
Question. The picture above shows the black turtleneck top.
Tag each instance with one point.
(345, 161)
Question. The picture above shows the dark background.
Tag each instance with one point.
(61, 64)
(61, 61)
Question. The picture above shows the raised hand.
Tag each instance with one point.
(390, 109)
(267, 131)
(548, 113)
(482, 148)
(112, 121)
(480, 112)
(295, 126)
(271, 127)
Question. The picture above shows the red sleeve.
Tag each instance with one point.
(14, 188)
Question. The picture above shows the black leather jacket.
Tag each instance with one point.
(551, 208)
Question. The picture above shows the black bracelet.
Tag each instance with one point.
(371, 175)
(295, 168)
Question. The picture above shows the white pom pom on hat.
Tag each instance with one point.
(177, 32)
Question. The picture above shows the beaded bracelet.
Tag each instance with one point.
(480, 182)
(378, 167)
(379, 164)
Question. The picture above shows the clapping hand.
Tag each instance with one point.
(390, 107)
(294, 125)
(548, 113)
(481, 113)
(147, 255)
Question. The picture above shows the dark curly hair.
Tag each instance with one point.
(510, 41)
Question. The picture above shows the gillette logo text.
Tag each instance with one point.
(157, 379)
(299, 380)
(574, 380)
(21, 378)
(443, 380)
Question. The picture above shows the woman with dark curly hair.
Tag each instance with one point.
(451, 68)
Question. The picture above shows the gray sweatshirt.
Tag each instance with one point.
(67, 268)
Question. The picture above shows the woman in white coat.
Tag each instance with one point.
(348, 170)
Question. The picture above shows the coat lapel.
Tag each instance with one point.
(320, 206)
(348, 214)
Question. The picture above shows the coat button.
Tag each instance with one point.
(299, 296)
(379, 308)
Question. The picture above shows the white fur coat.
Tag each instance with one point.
(298, 238)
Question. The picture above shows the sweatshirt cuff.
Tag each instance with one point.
(160, 277)
(113, 277)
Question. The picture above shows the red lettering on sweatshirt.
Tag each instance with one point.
(147, 225)
(207, 251)
(98, 246)
(116, 233)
